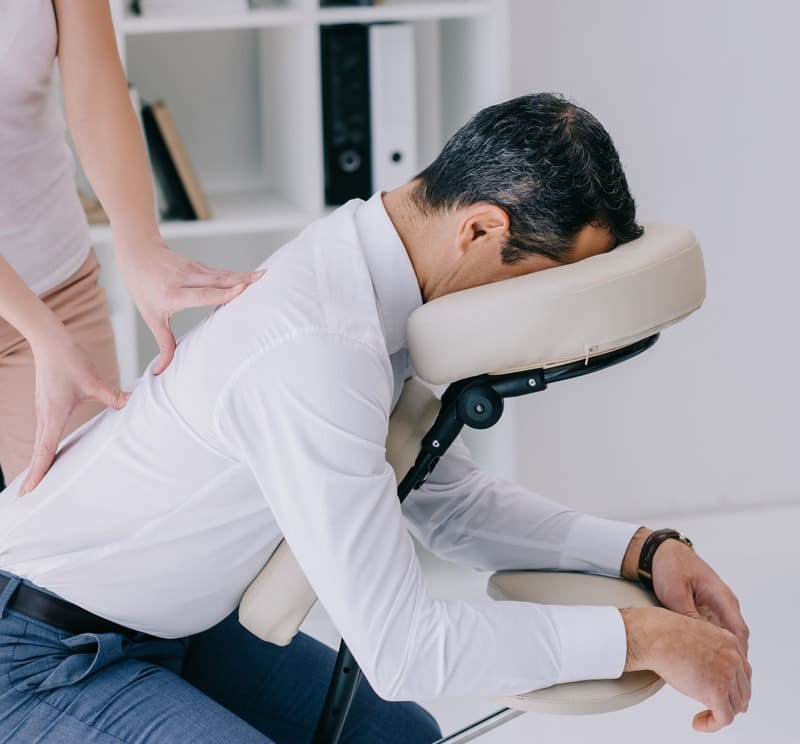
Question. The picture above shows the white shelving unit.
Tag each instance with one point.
(245, 93)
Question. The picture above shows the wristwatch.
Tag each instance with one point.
(649, 547)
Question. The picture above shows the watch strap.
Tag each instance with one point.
(649, 547)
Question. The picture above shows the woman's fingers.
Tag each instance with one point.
(205, 296)
(165, 339)
(48, 435)
(49, 429)
(109, 396)
(163, 283)
(205, 276)
(182, 299)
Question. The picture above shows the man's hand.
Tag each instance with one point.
(697, 658)
(685, 583)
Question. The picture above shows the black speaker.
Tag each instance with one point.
(346, 112)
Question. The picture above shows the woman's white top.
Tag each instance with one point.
(43, 230)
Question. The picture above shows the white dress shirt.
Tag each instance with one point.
(271, 422)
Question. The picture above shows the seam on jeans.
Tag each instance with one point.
(17, 641)
(79, 720)
(13, 656)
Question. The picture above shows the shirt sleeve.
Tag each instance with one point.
(463, 514)
(309, 418)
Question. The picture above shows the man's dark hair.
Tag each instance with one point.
(547, 162)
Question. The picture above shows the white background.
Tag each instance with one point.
(702, 99)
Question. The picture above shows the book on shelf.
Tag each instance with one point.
(158, 194)
(183, 193)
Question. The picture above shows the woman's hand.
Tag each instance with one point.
(162, 283)
(65, 377)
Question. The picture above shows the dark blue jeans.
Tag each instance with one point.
(223, 686)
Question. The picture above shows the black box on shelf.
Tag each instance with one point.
(368, 108)
(346, 112)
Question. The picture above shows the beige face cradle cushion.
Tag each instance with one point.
(543, 319)
(591, 696)
(562, 314)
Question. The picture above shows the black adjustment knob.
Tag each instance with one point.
(480, 407)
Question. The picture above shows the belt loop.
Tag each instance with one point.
(8, 592)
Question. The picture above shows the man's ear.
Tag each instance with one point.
(483, 224)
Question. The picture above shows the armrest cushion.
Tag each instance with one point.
(564, 588)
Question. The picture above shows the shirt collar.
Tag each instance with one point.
(393, 278)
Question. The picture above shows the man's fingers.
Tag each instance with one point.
(166, 343)
(730, 617)
(743, 684)
(686, 604)
(44, 452)
(221, 279)
(705, 722)
(716, 718)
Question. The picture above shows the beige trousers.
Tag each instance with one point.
(80, 303)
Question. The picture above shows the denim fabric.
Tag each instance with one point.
(223, 686)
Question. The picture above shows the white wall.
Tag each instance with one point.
(703, 101)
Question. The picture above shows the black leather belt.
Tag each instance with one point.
(59, 613)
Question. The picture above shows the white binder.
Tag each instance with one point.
(393, 103)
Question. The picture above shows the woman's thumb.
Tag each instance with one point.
(111, 396)
(166, 344)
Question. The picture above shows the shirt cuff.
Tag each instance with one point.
(597, 545)
(592, 640)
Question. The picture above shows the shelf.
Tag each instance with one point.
(239, 213)
(286, 17)
(402, 12)
(263, 18)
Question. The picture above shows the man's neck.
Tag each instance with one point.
(418, 233)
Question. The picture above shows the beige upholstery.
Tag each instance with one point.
(278, 599)
(591, 696)
(562, 314)
(413, 415)
(282, 578)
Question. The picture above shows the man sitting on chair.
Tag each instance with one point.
(271, 423)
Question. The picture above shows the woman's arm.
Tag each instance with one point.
(102, 122)
(109, 141)
(64, 375)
